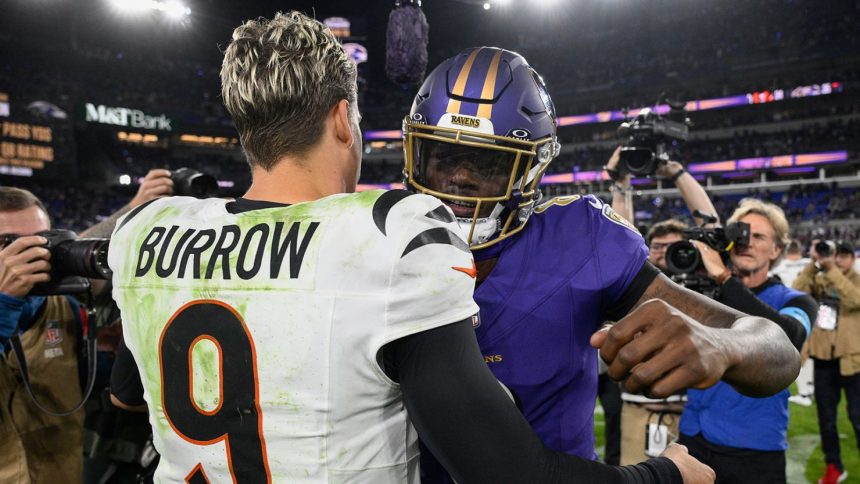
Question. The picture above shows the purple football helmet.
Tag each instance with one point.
(480, 136)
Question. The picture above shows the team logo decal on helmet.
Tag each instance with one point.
(479, 136)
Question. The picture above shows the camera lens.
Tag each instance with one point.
(823, 248)
(192, 183)
(81, 257)
(638, 160)
(682, 257)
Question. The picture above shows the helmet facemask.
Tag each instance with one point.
(489, 181)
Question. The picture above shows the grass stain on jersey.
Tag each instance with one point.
(207, 374)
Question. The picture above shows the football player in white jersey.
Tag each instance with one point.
(298, 333)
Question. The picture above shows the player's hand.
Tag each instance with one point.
(24, 263)
(657, 350)
(711, 259)
(692, 471)
(156, 184)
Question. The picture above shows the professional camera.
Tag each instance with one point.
(682, 257)
(73, 261)
(646, 136)
(825, 248)
(192, 183)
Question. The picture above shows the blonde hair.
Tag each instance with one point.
(773, 214)
(279, 80)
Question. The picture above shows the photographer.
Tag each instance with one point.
(660, 236)
(834, 344)
(736, 435)
(36, 446)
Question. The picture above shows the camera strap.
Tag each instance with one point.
(90, 341)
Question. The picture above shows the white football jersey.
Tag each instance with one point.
(788, 270)
(258, 334)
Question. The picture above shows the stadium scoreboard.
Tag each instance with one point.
(26, 145)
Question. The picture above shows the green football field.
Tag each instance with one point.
(805, 462)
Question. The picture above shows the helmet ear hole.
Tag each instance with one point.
(548, 151)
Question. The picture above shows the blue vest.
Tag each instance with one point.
(725, 417)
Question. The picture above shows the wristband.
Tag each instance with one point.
(678, 174)
(618, 188)
(723, 277)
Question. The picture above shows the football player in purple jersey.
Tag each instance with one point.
(480, 134)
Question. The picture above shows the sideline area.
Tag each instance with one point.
(805, 462)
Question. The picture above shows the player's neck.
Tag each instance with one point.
(484, 268)
(310, 178)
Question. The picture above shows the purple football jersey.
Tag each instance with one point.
(551, 288)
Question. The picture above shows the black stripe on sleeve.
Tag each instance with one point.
(619, 308)
(384, 204)
(136, 210)
(438, 235)
(440, 213)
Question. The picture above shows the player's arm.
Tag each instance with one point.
(126, 389)
(795, 318)
(675, 339)
(477, 433)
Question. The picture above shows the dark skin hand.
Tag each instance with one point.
(675, 339)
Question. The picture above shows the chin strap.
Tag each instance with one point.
(512, 204)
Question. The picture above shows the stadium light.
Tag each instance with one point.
(131, 6)
(124, 180)
(171, 8)
(487, 5)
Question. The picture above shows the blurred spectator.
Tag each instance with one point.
(787, 271)
(834, 345)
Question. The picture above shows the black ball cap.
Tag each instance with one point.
(844, 247)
